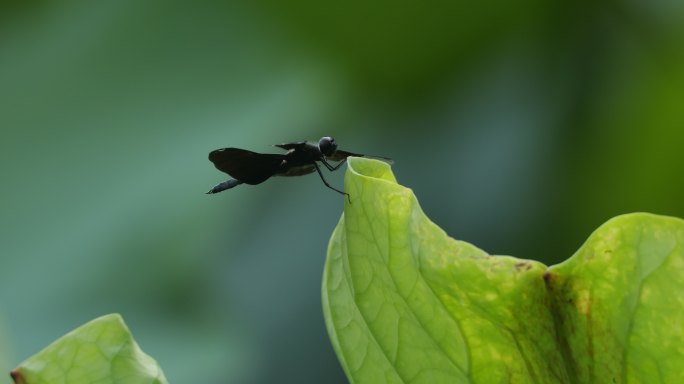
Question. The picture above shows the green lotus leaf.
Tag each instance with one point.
(619, 302)
(405, 303)
(101, 351)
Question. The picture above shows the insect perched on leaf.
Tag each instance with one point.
(247, 167)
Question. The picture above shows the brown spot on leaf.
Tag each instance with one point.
(549, 278)
(523, 266)
(17, 377)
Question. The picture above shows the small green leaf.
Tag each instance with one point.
(404, 302)
(101, 351)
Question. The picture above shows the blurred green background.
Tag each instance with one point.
(521, 127)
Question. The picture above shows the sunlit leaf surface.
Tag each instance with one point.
(405, 303)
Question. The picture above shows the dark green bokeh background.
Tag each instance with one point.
(521, 127)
